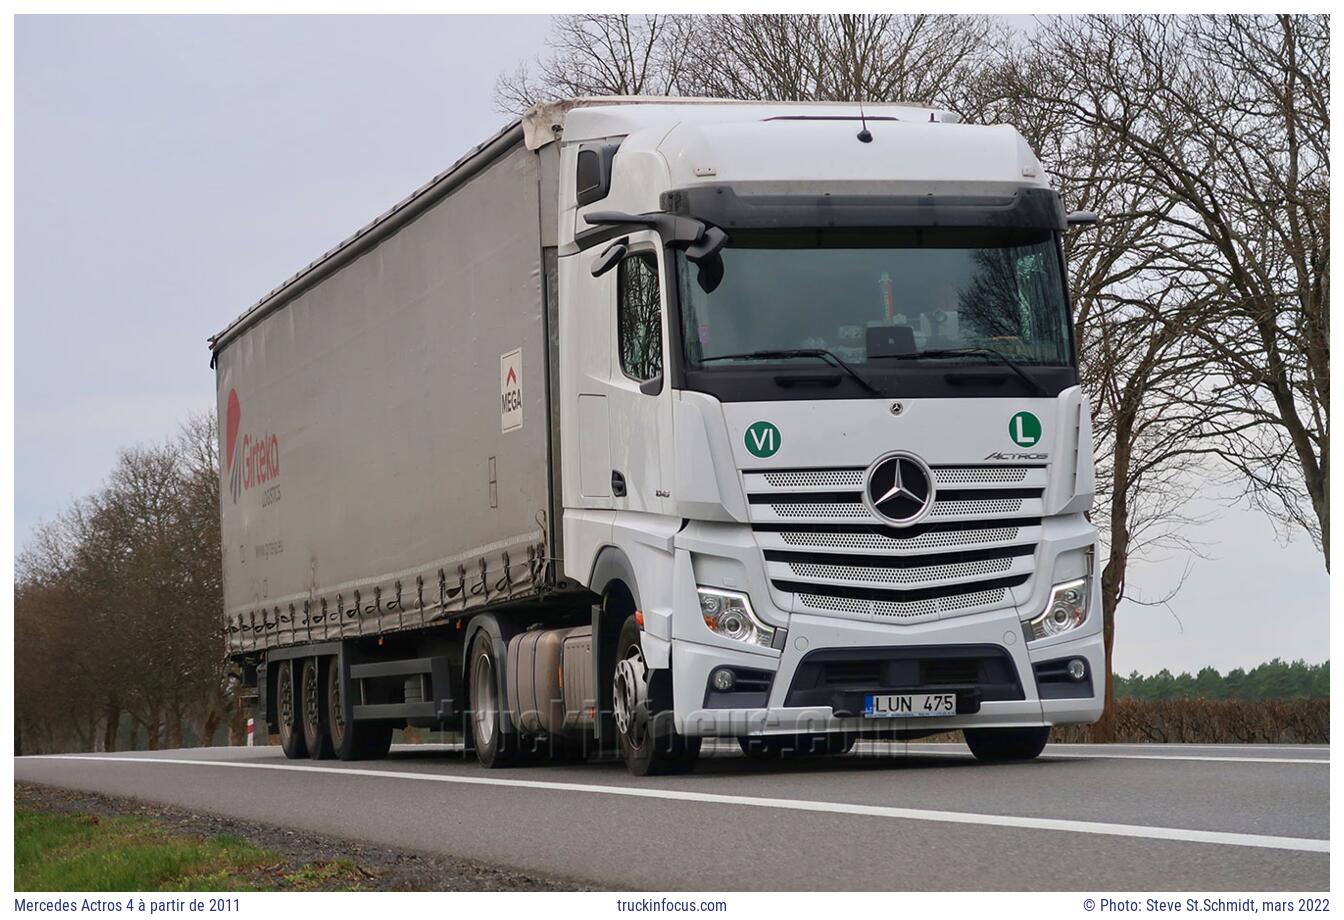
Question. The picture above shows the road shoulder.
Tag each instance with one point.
(378, 868)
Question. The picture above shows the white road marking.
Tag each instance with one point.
(1182, 834)
(1069, 755)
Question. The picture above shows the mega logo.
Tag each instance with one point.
(250, 460)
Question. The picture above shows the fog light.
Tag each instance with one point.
(723, 680)
(1077, 669)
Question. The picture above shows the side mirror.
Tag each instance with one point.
(710, 274)
(1081, 218)
(704, 252)
(610, 257)
(652, 386)
(708, 245)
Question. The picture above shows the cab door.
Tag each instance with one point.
(638, 396)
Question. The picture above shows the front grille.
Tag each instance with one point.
(823, 545)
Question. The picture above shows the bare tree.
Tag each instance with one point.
(1226, 121)
(830, 57)
(835, 57)
(599, 54)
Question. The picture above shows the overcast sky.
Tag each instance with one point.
(170, 170)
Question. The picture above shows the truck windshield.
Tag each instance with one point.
(879, 298)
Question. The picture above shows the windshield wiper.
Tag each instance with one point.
(975, 350)
(825, 354)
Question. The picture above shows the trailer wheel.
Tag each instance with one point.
(494, 746)
(352, 740)
(314, 716)
(647, 750)
(287, 713)
(997, 745)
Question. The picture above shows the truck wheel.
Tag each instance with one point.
(647, 752)
(494, 747)
(314, 716)
(352, 740)
(287, 713)
(996, 745)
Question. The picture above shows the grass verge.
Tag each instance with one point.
(86, 852)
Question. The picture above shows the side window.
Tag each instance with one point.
(639, 316)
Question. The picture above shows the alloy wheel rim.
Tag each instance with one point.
(629, 694)
(483, 698)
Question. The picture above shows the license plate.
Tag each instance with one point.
(909, 705)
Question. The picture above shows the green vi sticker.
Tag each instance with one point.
(763, 439)
(1025, 429)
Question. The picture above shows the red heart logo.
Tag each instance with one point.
(233, 415)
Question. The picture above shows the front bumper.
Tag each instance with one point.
(1002, 629)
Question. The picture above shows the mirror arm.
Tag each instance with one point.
(610, 257)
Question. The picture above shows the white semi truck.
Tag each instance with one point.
(656, 420)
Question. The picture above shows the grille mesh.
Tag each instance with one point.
(901, 576)
(957, 475)
(962, 601)
(820, 510)
(902, 611)
(977, 506)
(802, 479)
(931, 540)
(857, 510)
(864, 608)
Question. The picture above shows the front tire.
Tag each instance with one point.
(288, 722)
(649, 743)
(1001, 745)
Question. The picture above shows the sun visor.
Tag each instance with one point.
(780, 205)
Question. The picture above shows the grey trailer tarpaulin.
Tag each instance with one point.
(384, 421)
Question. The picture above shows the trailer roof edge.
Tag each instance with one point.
(377, 230)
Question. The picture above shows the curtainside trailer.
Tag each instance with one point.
(653, 420)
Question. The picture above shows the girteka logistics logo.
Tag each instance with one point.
(249, 460)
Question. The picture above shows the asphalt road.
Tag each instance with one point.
(918, 816)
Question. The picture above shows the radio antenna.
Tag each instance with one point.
(865, 136)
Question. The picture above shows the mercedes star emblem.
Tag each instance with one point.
(899, 489)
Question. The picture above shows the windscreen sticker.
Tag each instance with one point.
(1025, 429)
(762, 440)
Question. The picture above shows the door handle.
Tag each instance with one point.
(617, 484)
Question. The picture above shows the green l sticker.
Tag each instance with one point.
(1025, 429)
(762, 439)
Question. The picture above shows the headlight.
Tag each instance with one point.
(729, 614)
(1067, 610)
